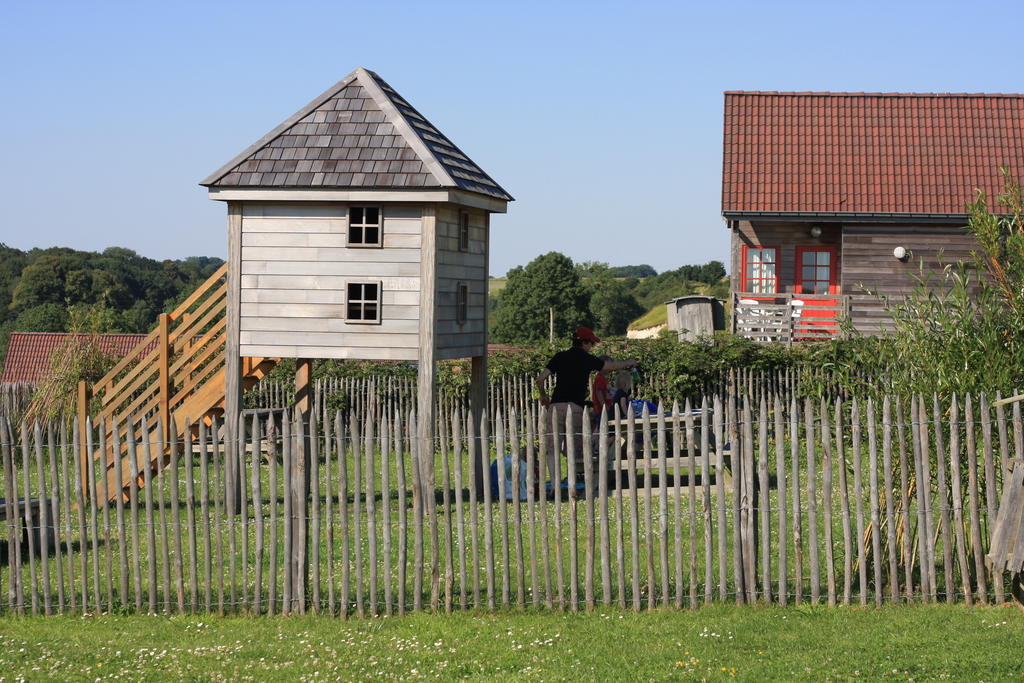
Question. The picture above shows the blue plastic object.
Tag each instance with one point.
(638, 407)
(507, 473)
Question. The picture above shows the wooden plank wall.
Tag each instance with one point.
(787, 236)
(454, 339)
(865, 253)
(868, 262)
(295, 264)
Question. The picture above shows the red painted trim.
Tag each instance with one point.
(744, 262)
(833, 273)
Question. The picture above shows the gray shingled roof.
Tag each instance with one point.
(360, 133)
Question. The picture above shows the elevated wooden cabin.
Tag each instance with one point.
(357, 230)
(826, 194)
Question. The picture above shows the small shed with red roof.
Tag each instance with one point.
(829, 194)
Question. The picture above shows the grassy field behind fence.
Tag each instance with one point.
(817, 502)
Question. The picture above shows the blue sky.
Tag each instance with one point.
(603, 119)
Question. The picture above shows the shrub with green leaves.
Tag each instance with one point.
(961, 329)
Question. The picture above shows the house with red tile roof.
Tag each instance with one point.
(28, 353)
(828, 195)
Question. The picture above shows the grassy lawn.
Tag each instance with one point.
(656, 316)
(901, 643)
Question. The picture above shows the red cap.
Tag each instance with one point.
(586, 334)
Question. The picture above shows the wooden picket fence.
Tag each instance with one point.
(751, 498)
(516, 392)
(15, 397)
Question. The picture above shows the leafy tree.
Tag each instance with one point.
(138, 318)
(548, 283)
(612, 303)
(12, 261)
(690, 279)
(35, 286)
(709, 273)
(121, 253)
(49, 317)
(200, 266)
(43, 281)
(654, 291)
(640, 271)
(613, 308)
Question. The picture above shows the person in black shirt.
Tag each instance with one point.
(571, 369)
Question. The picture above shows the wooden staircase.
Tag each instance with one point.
(171, 379)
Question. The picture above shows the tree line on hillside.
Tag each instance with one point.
(642, 270)
(589, 293)
(41, 288)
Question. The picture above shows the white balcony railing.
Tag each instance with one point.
(788, 318)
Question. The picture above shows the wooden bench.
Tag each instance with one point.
(647, 467)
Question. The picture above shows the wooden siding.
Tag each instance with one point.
(784, 235)
(868, 263)
(337, 352)
(695, 316)
(294, 267)
(469, 338)
(865, 257)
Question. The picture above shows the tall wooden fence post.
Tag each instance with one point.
(84, 396)
(299, 486)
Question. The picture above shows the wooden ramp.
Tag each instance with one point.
(172, 378)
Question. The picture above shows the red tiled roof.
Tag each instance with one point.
(806, 152)
(28, 354)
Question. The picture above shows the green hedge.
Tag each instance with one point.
(668, 369)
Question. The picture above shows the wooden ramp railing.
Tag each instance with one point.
(172, 377)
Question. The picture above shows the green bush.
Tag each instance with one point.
(961, 329)
(668, 370)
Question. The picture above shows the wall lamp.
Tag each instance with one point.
(901, 254)
(815, 231)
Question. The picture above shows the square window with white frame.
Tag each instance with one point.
(364, 226)
(362, 302)
(760, 275)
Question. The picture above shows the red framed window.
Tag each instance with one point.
(760, 269)
(817, 270)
